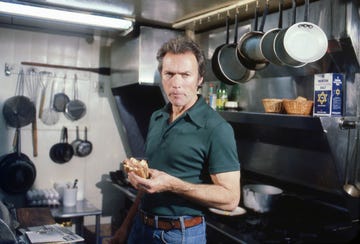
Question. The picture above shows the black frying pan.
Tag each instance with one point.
(17, 172)
(229, 65)
(214, 61)
(62, 152)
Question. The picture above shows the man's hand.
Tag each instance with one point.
(223, 193)
(158, 182)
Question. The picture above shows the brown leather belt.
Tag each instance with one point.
(168, 224)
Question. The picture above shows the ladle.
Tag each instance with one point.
(349, 188)
(356, 158)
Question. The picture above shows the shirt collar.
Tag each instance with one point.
(195, 113)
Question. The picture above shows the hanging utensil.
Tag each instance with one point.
(75, 109)
(19, 111)
(249, 48)
(33, 84)
(85, 147)
(17, 172)
(302, 43)
(76, 142)
(267, 42)
(348, 187)
(44, 82)
(356, 159)
(49, 115)
(61, 99)
(62, 152)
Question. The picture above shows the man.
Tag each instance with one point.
(192, 157)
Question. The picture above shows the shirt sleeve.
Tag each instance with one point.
(223, 155)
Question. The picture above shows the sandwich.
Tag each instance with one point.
(139, 167)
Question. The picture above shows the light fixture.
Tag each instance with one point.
(64, 16)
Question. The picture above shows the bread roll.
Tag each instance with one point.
(139, 167)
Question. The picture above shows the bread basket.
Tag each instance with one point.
(272, 105)
(298, 107)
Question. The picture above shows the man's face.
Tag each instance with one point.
(180, 78)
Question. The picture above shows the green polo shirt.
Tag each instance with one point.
(198, 143)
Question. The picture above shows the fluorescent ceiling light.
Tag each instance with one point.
(64, 16)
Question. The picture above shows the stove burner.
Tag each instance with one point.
(293, 220)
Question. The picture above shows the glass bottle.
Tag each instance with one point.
(212, 97)
(221, 97)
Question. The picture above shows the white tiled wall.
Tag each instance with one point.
(17, 46)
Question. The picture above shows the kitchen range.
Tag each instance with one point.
(300, 171)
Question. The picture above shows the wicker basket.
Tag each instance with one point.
(273, 105)
(298, 107)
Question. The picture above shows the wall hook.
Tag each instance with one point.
(8, 69)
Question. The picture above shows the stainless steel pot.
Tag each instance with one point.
(259, 197)
(301, 43)
(248, 48)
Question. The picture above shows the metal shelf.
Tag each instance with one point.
(274, 120)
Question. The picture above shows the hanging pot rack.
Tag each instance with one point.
(212, 18)
(101, 70)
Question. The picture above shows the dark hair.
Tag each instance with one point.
(180, 45)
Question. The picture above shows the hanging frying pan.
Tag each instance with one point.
(61, 99)
(249, 49)
(19, 111)
(214, 61)
(267, 42)
(17, 172)
(85, 147)
(75, 109)
(230, 66)
(62, 152)
(303, 42)
(77, 141)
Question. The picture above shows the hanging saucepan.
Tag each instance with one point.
(267, 42)
(75, 109)
(62, 152)
(301, 43)
(19, 111)
(249, 49)
(17, 172)
(61, 99)
(230, 66)
(85, 147)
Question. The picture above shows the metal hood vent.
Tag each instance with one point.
(133, 58)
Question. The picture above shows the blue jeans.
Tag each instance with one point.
(144, 234)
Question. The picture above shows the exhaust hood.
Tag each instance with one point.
(133, 58)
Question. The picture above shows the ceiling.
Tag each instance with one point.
(199, 15)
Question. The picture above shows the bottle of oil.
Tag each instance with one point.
(221, 97)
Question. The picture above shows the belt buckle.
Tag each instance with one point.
(145, 219)
(172, 223)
